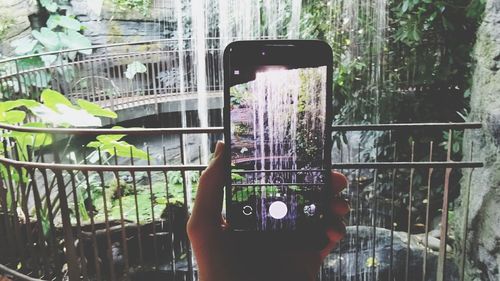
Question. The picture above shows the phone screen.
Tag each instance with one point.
(277, 136)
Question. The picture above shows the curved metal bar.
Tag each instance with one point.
(407, 126)
(101, 168)
(90, 48)
(160, 168)
(153, 131)
(407, 165)
(16, 275)
(154, 41)
(125, 131)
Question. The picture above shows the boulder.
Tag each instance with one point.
(345, 263)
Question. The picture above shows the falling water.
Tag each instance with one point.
(361, 25)
(278, 98)
(199, 31)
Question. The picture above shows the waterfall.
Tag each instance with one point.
(284, 116)
(359, 25)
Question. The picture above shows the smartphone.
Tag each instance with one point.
(277, 119)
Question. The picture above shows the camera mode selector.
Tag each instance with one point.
(247, 210)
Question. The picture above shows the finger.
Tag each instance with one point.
(339, 207)
(335, 232)
(338, 181)
(208, 203)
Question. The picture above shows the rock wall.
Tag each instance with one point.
(106, 24)
(483, 235)
(15, 22)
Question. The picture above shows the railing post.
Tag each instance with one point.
(69, 243)
(444, 216)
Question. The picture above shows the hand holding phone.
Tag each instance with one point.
(223, 256)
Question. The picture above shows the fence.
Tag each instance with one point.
(65, 218)
(119, 75)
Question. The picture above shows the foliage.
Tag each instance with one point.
(60, 32)
(6, 22)
(445, 26)
(115, 146)
(239, 96)
(56, 110)
(134, 68)
(244, 194)
(142, 6)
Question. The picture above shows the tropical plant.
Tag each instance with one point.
(61, 31)
(55, 110)
(143, 6)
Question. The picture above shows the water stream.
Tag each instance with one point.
(203, 25)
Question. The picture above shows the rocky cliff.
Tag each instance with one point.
(483, 235)
(107, 22)
(15, 22)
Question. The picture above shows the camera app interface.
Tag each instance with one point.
(277, 143)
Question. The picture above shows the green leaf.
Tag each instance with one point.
(50, 5)
(48, 38)
(416, 35)
(109, 138)
(35, 140)
(24, 45)
(30, 63)
(51, 99)
(63, 21)
(66, 116)
(404, 8)
(48, 59)
(95, 109)
(94, 144)
(134, 68)
(74, 40)
(8, 105)
(40, 79)
(12, 117)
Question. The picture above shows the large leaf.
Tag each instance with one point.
(29, 64)
(123, 149)
(35, 140)
(94, 144)
(39, 79)
(95, 109)
(46, 114)
(74, 40)
(52, 99)
(109, 138)
(8, 105)
(77, 117)
(48, 59)
(12, 117)
(134, 68)
(50, 5)
(24, 45)
(48, 38)
(66, 116)
(63, 21)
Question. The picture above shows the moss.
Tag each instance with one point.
(5, 24)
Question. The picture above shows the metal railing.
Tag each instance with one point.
(67, 218)
(162, 69)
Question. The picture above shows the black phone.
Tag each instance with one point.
(277, 119)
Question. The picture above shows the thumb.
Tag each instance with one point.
(208, 203)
